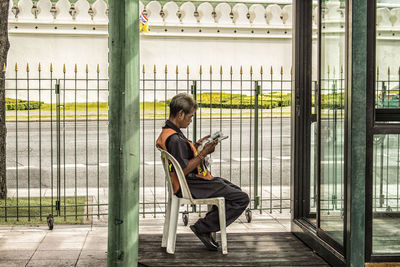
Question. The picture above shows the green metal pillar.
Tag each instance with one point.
(356, 132)
(123, 212)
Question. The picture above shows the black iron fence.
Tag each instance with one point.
(57, 139)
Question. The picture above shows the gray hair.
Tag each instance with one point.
(180, 102)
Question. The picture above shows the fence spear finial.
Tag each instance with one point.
(27, 67)
(210, 69)
(241, 69)
(98, 68)
(251, 69)
(201, 69)
(187, 69)
(328, 69)
(51, 67)
(388, 70)
(16, 67)
(64, 68)
(220, 70)
(40, 67)
(341, 69)
(143, 69)
(4, 67)
(272, 70)
(261, 70)
(87, 68)
(155, 70)
(377, 70)
(166, 69)
(399, 71)
(231, 70)
(334, 70)
(177, 69)
(291, 70)
(281, 70)
(76, 68)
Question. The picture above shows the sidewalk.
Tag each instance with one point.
(151, 195)
(86, 245)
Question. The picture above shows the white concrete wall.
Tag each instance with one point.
(240, 34)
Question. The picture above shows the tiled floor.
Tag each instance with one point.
(86, 245)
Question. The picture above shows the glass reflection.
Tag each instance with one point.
(387, 50)
(386, 194)
(332, 118)
(312, 197)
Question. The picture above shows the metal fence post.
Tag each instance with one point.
(194, 93)
(256, 196)
(58, 138)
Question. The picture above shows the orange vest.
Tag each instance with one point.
(203, 174)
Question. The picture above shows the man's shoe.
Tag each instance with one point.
(205, 238)
(214, 241)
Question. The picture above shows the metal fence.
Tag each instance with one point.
(57, 142)
(57, 139)
(257, 154)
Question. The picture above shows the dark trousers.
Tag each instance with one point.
(236, 201)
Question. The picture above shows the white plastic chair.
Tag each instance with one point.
(172, 212)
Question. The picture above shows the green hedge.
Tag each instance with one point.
(238, 101)
(13, 104)
(331, 101)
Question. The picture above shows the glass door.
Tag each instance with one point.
(331, 105)
(318, 121)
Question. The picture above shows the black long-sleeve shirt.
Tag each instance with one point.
(178, 146)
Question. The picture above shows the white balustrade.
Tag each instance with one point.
(187, 10)
(63, 7)
(141, 6)
(287, 15)
(44, 7)
(25, 10)
(274, 14)
(170, 10)
(11, 16)
(153, 12)
(396, 17)
(206, 13)
(223, 11)
(240, 12)
(257, 15)
(241, 15)
(383, 17)
(315, 16)
(100, 9)
(82, 8)
(332, 11)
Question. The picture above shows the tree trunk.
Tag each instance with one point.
(4, 46)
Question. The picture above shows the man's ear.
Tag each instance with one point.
(181, 114)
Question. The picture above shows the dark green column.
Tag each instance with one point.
(123, 212)
(356, 132)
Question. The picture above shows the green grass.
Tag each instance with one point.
(159, 106)
(35, 211)
(92, 106)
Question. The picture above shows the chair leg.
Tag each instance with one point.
(222, 226)
(213, 234)
(166, 223)
(173, 223)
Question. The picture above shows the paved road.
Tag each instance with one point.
(83, 158)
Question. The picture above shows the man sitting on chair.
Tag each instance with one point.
(200, 181)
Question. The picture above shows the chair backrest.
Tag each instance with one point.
(167, 159)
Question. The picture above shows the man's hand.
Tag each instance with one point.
(209, 148)
(200, 141)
